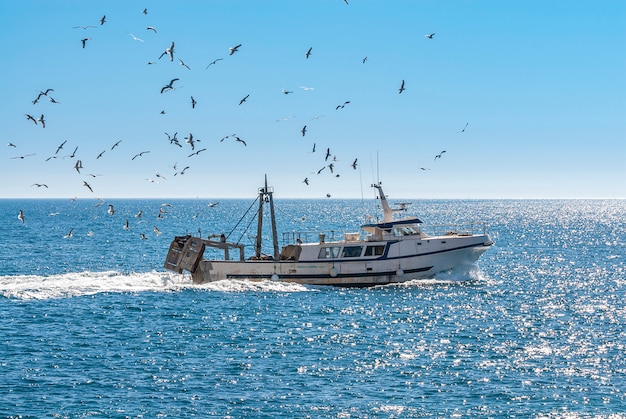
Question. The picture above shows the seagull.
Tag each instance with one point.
(401, 89)
(20, 216)
(126, 226)
(213, 204)
(116, 144)
(39, 185)
(308, 53)
(69, 234)
(32, 118)
(78, 165)
(240, 140)
(41, 121)
(42, 94)
(169, 52)
(100, 155)
(135, 38)
(111, 210)
(463, 130)
(430, 35)
(84, 41)
(285, 91)
(423, 168)
(313, 151)
(331, 167)
(306, 89)
(23, 157)
(342, 105)
(193, 103)
(151, 28)
(143, 236)
(157, 174)
(144, 11)
(354, 164)
(85, 184)
(306, 181)
(438, 156)
(234, 49)
(169, 86)
(71, 156)
(11, 145)
(139, 214)
(189, 140)
(197, 152)
(139, 154)
(364, 59)
(53, 100)
(327, 154)
(60, 147)
(83, 26)
(103, 19)
(213, 62)
(183, 64)
(303, 131)
(244, 99)
(156, 230)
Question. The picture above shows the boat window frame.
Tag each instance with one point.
(329, 252)
(350, 249)
(375, 249)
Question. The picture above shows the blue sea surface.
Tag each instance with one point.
(93, 326)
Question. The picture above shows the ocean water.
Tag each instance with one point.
(94, 327)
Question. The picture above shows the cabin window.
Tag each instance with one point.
(405, 231)
(374, 250)
(329, 253)
(351, 251)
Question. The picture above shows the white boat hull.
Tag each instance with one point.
(351, 273)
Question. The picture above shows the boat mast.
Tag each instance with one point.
(266, 196)
(387, 211)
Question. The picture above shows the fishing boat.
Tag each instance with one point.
(392, 250)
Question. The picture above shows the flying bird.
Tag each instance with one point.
(126, 225)
(151, 28)
(354, 164)
(144, 11)
(463, 130)
(135, 38)
(244, 99)
(401, 89)
(11, 145)
(169, 86)
(430, 35)
(116, 144)
(78, 165)
(111, 210)
(183, 64)
(308, 53)
(60, 147)
(306, 181)
(23, 157)
(103, 19)
(234, 49)
(156, 230)
(193, 103)
(31, 118)
(303, 131)
(240, 140)
(84, 41)
(85, 184)
(83, 26)
(139, 154)
(327, 154)
(189, 140)
(100, 155)
(342, 105)
(70, 234)
(438, 156)
(41, 121)
(169, 51)
(197, 152)
(213, 62)
(39, 185)
(20, 216)
(286, 92)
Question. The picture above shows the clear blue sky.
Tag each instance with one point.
(541, 86)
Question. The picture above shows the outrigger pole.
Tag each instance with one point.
(266, 195)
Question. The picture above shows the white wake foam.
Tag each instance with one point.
(35, 287)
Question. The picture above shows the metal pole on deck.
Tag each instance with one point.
(259, 230)
(273, 217)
